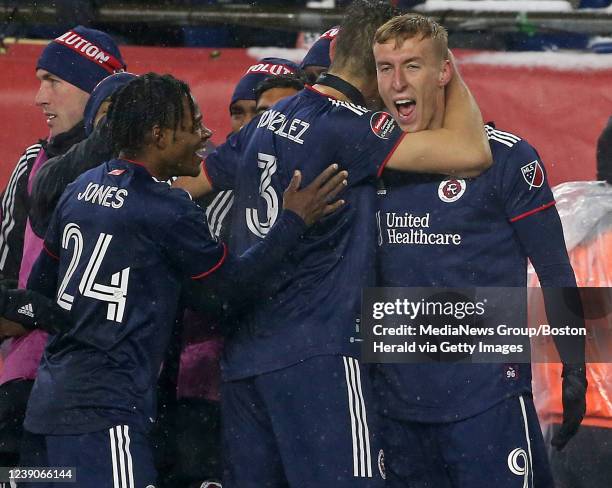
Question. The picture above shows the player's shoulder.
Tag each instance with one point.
(21, 171)
(501, 140)
(29, 155)
(333, 106)
(347, 111)
(32, 149)
(165, 190)
(171, 201)
(508, 147)
(86, 178)
(352, 120)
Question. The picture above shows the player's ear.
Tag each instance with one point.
(332, 49)
(446, 73)
(158, 137)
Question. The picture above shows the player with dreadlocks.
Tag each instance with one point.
(120, 244)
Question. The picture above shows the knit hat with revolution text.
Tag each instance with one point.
(255, 74)
(318, 54)
(82, 57)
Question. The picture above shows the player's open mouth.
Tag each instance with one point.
(405, 107)
(50, 117)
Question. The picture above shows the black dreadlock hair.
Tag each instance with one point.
(149, 100)
(283, 81)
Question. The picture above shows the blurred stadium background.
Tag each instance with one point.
(539, 68)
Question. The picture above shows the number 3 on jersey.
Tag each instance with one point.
(267, 163)
(114, 294)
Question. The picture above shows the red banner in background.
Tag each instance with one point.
(561, 113)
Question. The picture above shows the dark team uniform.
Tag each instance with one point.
(449, 232)
(116, 253)
(309, 324)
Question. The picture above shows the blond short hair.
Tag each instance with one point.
(412, 25)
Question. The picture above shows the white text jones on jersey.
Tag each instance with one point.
(106, 196)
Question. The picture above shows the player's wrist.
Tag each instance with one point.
(293, 218)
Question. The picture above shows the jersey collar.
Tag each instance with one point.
(134, 164)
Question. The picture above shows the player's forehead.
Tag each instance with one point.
(401, 50)
(275, 94)
(43, 75)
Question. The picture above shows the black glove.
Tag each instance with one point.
(33, 310)
(574, 403)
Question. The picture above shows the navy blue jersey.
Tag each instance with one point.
(449, 232)
(123, 244)
(320, 282)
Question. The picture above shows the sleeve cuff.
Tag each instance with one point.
(215, 267)
(293, 219)
(384, 163)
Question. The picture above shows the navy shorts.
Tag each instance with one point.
(501, 448)
(302, 426)
(114, 458)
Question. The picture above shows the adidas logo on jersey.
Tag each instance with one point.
(26, 310)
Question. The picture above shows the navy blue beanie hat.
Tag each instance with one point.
(82, 57)
(101, 92)
(318, 54)
(265, 68)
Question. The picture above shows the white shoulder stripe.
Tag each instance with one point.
(508, 134)
(503, 141)
(217, 210)
(358, 109)
(500, 136)
(34, 148)
(8, 200)
(222, 216)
